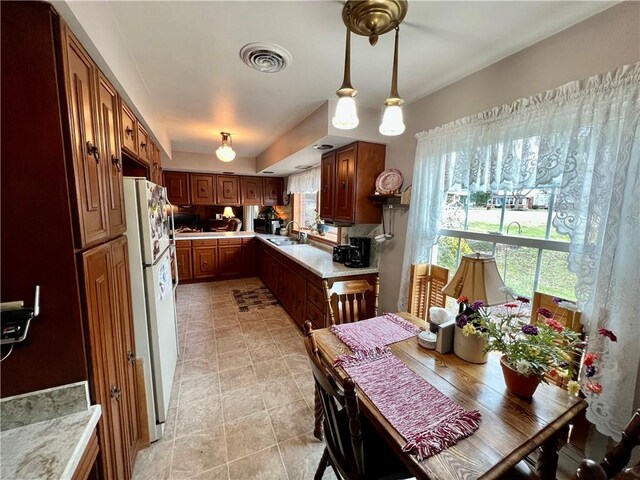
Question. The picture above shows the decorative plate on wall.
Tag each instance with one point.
(389, 181)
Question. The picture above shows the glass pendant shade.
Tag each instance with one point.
(346, 116)
(225, 152)
(392, 121)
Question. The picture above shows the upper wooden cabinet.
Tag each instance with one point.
(128, 130)
(251, 190)
(110, 152)
(348, 178)
(202, 189)
(144, 148)
(272, 189)
(227, 190)
(155, 167)
(177, 184)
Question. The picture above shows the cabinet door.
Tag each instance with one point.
(128, 130)
(205, 262)
(250, 190)
(272, 191)
(103, 348)
(227, 190)
(110, 153)
(230, 260)
(126, 356)
(297, 296)
(144, 149)
(202, 189)
(93, 224)
(327, 185)
(154, 167)
(183, 257)
(249, 255)
(177, 184)
(345, 184)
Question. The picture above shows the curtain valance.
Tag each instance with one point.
(304, 182)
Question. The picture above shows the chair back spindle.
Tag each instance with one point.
(347, 301)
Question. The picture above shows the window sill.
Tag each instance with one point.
(319, 238)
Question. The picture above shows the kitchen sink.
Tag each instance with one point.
(283, 242)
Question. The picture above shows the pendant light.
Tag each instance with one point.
(346, 116)
(225, 151)
(392, 121)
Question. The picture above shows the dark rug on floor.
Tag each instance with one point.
(254, 298)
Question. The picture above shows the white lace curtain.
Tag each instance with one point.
(304, 182)
(584, 139)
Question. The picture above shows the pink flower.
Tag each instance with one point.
(463, 299)
(594, 387)
(553, 373)
(545, 312)
(557, 326)
(511, 305)
(522, 299)
(589, 358)
(608, 333)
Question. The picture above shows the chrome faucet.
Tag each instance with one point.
(299, 228)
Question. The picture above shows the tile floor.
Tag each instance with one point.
(242, 400)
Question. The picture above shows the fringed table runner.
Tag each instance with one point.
(428, 420)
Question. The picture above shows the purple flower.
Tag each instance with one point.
(477, 305)
(563, 364)
(462, 320)
(530, 329)
(522, 299)
(557, 300)
(590, 370)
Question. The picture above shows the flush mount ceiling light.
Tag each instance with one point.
(265, 57)
(225, 151)
(322, 146)
(371, 18)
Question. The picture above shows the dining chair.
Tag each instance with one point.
(425, 288)
(347, 301)
(615, 459)
(353, 448)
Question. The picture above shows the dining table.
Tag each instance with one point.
(511, 428)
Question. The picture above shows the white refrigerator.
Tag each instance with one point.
(152, 293)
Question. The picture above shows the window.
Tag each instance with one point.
(515, 227)
(305, 207)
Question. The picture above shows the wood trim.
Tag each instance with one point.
(88, 459)
(143, 419)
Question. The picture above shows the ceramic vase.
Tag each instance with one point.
(470, 347)
(518, 384)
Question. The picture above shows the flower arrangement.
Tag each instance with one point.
(318, 224)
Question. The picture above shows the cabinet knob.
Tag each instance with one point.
(128, 131)
(116, 393)
(131, 357)
(143, 146)
(93, 151)
(205, 263)
(116, 161)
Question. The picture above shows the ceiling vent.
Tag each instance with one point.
(303, 167)
(265, 57)
(266, 172)
(323, 146)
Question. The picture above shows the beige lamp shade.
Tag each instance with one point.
(228, 212)
(477, 278)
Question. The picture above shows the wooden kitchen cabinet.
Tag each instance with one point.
(249, 256)
(110, 343)
(144, 147)
(111, 155)
(183, 257)
(230, 257)
(155, 168)
(272, 189)
(347, 180)
(177, 184)
(202, 189)
(128, 130)
(205, 258)
(227, 190)
(250, 190)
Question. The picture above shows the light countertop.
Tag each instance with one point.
(315, 259)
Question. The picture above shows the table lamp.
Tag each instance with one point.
(477, 278)
(228, 212)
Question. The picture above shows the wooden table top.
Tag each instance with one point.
(510, 428)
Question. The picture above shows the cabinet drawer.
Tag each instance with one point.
(204, 243)
(183, 243)
(315, 315)
(316, 295)
(230, 241)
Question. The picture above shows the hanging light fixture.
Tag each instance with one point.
(225, 151)
(346, 116)
(392, 121)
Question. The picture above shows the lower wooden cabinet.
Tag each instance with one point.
(205, 259)
(249, 256)
(183, 257)
(230, 257)
(111, 350)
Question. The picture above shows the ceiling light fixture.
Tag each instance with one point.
(371, 18)
(225, 151)
(392, 121)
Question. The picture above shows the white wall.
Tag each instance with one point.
(209, 163)
(600, 43)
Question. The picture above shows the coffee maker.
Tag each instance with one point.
(359, 254)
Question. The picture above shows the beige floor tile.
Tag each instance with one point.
(271, 370)
(227, 321)
(271, 312)
(248, 435)
(219, 473)
(291, 346)
(298, 363)
(301, 456)
(205, 348)
(200, 336)
(169, 432)
(256, 326)
(249, 316)
(201, 414)
(279, 322)
(234, 359)
(195, 326)
(230, 344)
(306, 384)
(229, 331)
(291, 420)
(175, 393)
(153, 463)
(199, 387)
(264, 352)
(198, 367)
(280, 392)
(242, 402)
(199, 452)
(285, 333)
(264, 465)
(237, 378)
(258, 339)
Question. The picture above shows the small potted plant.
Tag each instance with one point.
(318, 225)
(468, 342)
